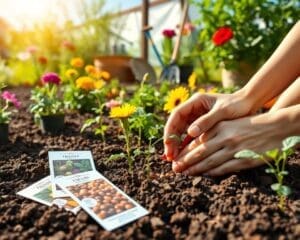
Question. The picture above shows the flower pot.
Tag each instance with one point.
(52, 123)
(237, 77)
(3, 133)
(118, 67)
(185, 72)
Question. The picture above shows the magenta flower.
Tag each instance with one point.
(169, 33)
(51, 77)
(112, 103)
(11, 97)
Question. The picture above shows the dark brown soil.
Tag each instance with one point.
(239, 206)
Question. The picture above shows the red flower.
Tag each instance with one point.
(42, 60)
(222, 36)
(169, 33)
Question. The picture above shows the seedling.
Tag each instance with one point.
(186, 141)
(277, 168)
(99, 95)
(123, 113)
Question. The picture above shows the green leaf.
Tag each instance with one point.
(276, 186)
(272, 153)
(285, 190)
(116, 157)
(290, 142)
(246, 154)
(283, 173)
(270, 170)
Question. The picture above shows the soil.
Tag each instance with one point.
(237, 206)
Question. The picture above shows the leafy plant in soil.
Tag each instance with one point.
(45, 99)
(123, 113)
(147, 97)
(279, 158)
(99, 95)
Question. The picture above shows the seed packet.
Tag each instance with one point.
(41, 192)
(102, 200)
(67, 163)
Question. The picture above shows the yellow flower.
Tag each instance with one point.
(192, 81)
(96, 74)
(90, 69)
(213, 90)
(99, 84)
(85, 83)
(201, 90)
(176, 97)
(71, 73)
(77, 62)
(123, 111)
(105, 75)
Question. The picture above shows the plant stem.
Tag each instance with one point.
(124, 123)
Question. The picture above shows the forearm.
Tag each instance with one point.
(289, 97)
(282, 68)
(287, 120)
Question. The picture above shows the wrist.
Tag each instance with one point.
(246, 100)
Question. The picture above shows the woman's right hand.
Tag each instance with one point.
(200, 113)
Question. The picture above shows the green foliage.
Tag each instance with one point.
(99, 95)
(45, 101)
(148, 125)
(279, 158)
(147, 97)
(258, 25)
(79, 99)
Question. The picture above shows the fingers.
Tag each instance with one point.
(205, 122)
(234, 165)
(195, 152)
(179, 121)
(213, 161)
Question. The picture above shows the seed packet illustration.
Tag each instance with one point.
(41, 192)
(102, 200)
(67, 163)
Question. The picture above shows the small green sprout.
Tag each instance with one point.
(101, 128)
(279, 158)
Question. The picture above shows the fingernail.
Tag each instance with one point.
(194, 130)
(175, 166)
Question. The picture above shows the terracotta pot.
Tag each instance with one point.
(185, 72)
(4, 133)
(118, 67)
(52, 123)
(237, 77)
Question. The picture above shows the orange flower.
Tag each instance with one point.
(85, 83)
(105, 75)
(77, 62)
(90, 69)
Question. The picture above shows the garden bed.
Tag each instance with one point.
(238, 206)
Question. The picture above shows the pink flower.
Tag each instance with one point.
(112, 103)
(32, 49)
(51, 77)
(169, 33)
(68, 45)
(11, 97)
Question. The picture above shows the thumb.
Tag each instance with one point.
(205, 122)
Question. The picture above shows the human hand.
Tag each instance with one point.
(199, 114)
(213, 152)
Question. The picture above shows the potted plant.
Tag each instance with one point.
(237, 36)
(47, 107)
(6, 99)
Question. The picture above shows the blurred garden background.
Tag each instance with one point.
(43, 36)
